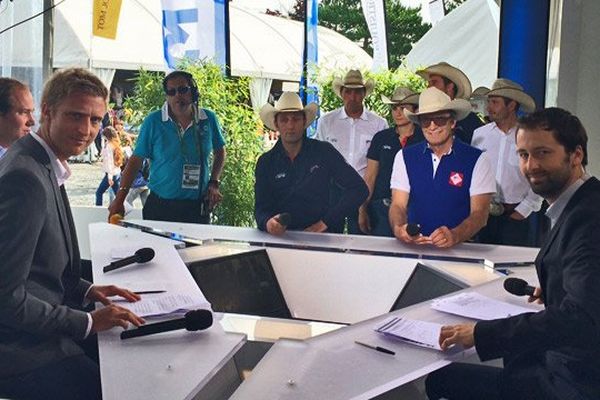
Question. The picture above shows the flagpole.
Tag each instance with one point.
(227, 41)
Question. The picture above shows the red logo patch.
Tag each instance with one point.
(456, 179)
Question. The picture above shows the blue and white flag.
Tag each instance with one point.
(308, 85)
(193, 29)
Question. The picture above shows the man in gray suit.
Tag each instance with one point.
(41, 292)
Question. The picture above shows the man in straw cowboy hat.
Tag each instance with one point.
(295, 177)
(444, 185)
(351, 128)
(514, 200)
(380, 160)
(455, 84)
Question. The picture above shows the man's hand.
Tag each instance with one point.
(274, 227)
(319, 226)
(457, 334)
(214, 196)
(516, 216)
(101, 294)
(363, 220)
(401, 234)
(443, 237)
(112, 315)
(537, 296)
(116, 207)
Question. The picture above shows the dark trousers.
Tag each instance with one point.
(505, 230)
(159, 209)
(73, 378)
(104, 186)
(379, 210)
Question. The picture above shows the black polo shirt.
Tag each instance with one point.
(301, 187)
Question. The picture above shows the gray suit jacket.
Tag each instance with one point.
(40, 280)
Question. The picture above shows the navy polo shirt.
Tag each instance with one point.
(384, 146)
(301, 186)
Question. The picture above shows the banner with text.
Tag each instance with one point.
(106, 18)
(374, 13)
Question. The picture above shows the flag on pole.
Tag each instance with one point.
(194, 29)
(309, 90)
(374, 12)
(106, 18)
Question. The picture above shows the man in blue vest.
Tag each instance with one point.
(443, 185)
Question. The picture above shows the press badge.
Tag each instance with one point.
(191, 176)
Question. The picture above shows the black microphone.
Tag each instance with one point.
(284, 219)
(141, 256)
(413, 229)
(518, 287)
(194, 320)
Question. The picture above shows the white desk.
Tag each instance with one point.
(332, 366)
(174, 365)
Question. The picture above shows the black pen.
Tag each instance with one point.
(377, 348)
(150, 291)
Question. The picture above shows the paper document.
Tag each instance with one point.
(420, 333)
(166, 304)
(477, 306)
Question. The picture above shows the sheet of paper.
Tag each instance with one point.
(420, 333)
(166, 304)
(477, 306)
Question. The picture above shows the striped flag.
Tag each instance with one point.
(309, 90)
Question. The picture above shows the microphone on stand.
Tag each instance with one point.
(194, 320)
(141, 256)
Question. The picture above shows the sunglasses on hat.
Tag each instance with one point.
(180, 90)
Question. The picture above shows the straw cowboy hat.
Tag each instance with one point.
(480, 91)
(511, 90)
(463, 85)
(288, 102)
(353, 80)
(402, 95)
(433, 100)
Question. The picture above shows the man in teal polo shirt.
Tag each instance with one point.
(178, 140)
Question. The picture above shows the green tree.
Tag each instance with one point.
(450, 5)
(229, 99)
(404, 25)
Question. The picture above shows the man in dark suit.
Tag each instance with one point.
(41, 292)
(554, 353)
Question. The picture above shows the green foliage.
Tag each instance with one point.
(450, 5)
(229, 99)
(385, 83)
(404, 25)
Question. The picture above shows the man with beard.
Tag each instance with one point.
(554, 353)
(295, 177)
(350, 130)
(16, 112)
(442, 184)
(514, 200)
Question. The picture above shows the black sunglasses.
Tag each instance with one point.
(439, 120)
(180, 90)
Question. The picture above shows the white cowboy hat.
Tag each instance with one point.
(402, 95)
(463, 85)
(353, 80)
(288, 102)
(511, 90)
(433, 100)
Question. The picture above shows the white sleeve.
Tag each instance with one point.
(399, 179)
(532, 202)
(321, 127)
(483, 180)
(108, 162)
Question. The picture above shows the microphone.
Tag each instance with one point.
(141, 256)
(518, 287)
(194, 320)
(413, 229)
(284, 219)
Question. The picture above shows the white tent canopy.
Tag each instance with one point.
(466, 38)
(261, 45)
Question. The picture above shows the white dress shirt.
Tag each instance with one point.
(351, 137)
(511, 186)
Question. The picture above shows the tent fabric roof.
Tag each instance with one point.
(466, 38)
(261, 45)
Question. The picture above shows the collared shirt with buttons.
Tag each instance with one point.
(351, 137)
(302, 186)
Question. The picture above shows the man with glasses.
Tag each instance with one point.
(178, 140)
(443, 185)
(16, 112)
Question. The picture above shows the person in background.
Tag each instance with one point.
(112, 160)
(16, 112)
(380, 160)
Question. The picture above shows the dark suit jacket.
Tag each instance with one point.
(39, 264)
(557, 350)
